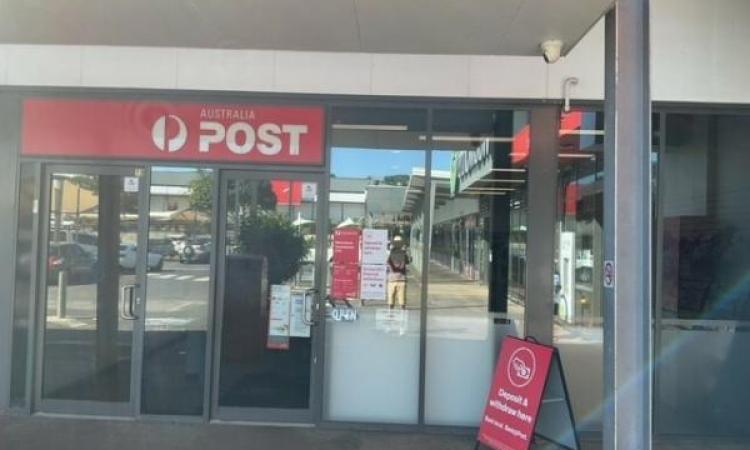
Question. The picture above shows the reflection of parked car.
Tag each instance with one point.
(129, 256)
(87, 241)
(196, 251)
(79, 264)
(164, 247)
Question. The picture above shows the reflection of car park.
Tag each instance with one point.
(71, 257)
(163, 247)
(86, 241)
(129, 256)
(196, 251)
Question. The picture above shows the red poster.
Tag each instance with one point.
(287, 192)
(345, 283)
(516, 395)
(165, 131)
(346, 246)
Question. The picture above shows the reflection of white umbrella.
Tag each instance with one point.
(349, 222)
(300, 221)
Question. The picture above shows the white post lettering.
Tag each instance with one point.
(233, 131)
(268, 134)
(295, 132)
(206, 140)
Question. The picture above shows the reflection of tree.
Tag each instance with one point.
(248, 193)
(274, 237)
(201, 192)
(396, 180)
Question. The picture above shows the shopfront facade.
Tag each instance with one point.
(147, 262)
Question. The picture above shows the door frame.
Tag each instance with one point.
(310, 415)
(87, 407)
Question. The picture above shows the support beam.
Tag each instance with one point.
(540, 237)
(627, 228)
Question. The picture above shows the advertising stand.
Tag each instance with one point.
(528, 399)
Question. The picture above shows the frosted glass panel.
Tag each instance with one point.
(376, 204)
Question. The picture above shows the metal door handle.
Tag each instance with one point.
(313, 293)
(126, 299)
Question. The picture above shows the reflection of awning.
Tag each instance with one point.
(349, 222)
(179, 216)
(415, 188)
(347, 197)
(302, 221)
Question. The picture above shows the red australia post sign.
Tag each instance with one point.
(153, 130)
(516, 395)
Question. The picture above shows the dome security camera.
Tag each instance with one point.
(551, 51)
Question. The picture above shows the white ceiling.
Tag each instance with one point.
(491, 27)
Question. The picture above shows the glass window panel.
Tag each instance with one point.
(703, 290)
(372, 334)
(270, 248)
(579, 253)
(87, 339)
(477, 270)
(177, 292)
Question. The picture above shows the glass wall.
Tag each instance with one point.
(270, 238)
(376, 205)
(177, 292)
(87, 344)
(477, 259)
(702, 312)
(579, 254)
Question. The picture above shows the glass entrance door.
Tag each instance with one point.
(91, 279)
(269, 258)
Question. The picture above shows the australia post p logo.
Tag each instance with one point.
(159, 133)
(98, 129)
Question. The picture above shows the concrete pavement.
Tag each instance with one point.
(45, 433)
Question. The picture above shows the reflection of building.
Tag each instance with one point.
(579, 217)
(374, 202)
(347, 198)
(478, 217)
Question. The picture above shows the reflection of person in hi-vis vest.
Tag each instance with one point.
(398, 259)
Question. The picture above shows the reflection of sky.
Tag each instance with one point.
(362, 163)
(441, 160)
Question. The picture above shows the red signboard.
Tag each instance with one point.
(163, 131)
(287, 192)
(516, 395)
(345, 284)
(346, 245)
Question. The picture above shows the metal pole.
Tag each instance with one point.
(62, 293)
(627, 223)
(540, 238)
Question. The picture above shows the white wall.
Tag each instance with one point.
(698, 56)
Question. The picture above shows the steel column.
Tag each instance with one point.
(627, 224)
(540, 237)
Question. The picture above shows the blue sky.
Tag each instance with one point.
(362, 163)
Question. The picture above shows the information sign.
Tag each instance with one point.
(345, 282)
(346, 246)
(528, 398)
(279, 317)
(374, 246)
(374, 282)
